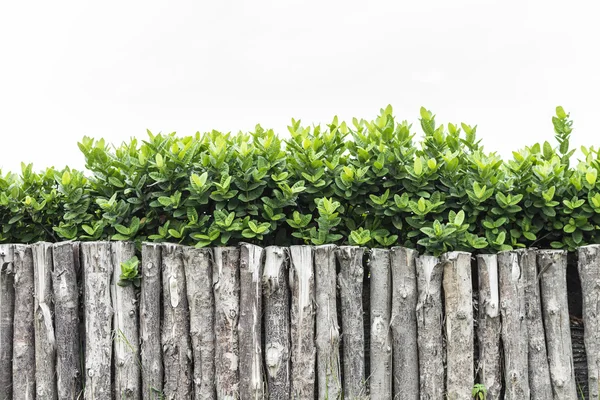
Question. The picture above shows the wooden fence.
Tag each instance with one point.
(301, 322)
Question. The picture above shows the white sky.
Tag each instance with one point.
(112, 69)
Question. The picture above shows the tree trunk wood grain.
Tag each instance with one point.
(459, 324)
(250, 323)
(350, 281)
(380, 381)
(97, 272)
(66, 320)
(329, 374)
(226, 284)
(177, 349)
(150, 321)
(302, 283)
(126, 345)
(489, 328)
(404, 323)
(198, 276)
(430, 328)
(276, 305)
(552, 265)
(589, 274)
(7, 315)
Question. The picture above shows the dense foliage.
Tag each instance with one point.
(367, 183)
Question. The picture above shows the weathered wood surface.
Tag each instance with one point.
(7, 314)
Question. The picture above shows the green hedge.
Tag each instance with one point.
(367, 183)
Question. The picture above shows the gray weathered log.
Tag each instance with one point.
(198, 276)
(65, 255)
(45, 342)
(430, 328)
(7, 314)
(350, 281)
(150, 321)
(226, 284)
(380, 381)
(552, 265)
(458, 302)
(177, 349)
(540, 387)
(404, 323)
(589, 274)
(329, 374)
(276, 305)
(97, 272)
(488, 327)
(302, 284)
(250, 322)
(126, 345)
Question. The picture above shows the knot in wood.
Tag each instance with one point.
(131, 313)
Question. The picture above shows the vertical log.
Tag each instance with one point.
(177, 350)
(126, 344)
(198, 277)
(150, 322)
(302, 283)
(490, 372)
(226, 284)
(552, 265)
(459, 324)
(250, 324)
(66, 319)
(430, 328)
(350, 280)
(97, 273)
(7, 315)
(276, 304)
(329, 375)
(404, 323)
(589, 274)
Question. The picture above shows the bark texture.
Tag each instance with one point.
(589, 274)
(329, 374)
(250, 323)
(177, 349)
(126, 343)
(350, 281)
(150, 321)
(380, 381)
(226, 284)
(404, 323)
(7, 314)
(302, 283)
(489, 328)
(198, 276)
(276, 304)
(552, 265)
(97, 273)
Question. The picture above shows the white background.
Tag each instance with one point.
(113, 69)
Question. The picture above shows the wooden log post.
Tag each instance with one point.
(380, 381)
(97, 272)
(7, 315)
(250, 323)
(329, 374)
(226, 284)
(126, 345)
(458, 300)
(350, 281)
(177, 349)
(489, 328)
(302, 283)
(150, 321)
(552, 265)
(404, 323)
(430, 328)
(201, 301)
(276, 305)
(65, 257)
